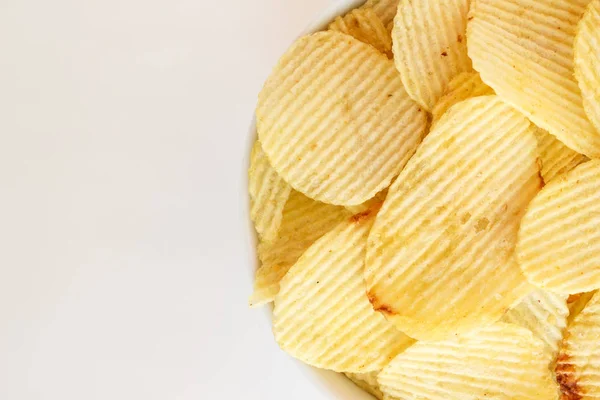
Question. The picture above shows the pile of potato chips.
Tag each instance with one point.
(426, 191)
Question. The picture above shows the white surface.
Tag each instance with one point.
(123, 272)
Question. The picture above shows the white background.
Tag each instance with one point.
(124, 125)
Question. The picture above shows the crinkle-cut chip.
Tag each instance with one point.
(500, 361)
(556, 158)
(364, 25)
(367, 382)
(430, 46)
(322, 315)
(545, 315)
(378, 199)
(578, 364)
(577, 303)
(559, 239)
(335, 120)
(440, 257)
(587, 61)
(304, 221)
(268, 195)
(464, 86)
(385, 10)
(523, 49)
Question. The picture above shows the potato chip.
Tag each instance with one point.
(501, 361)
(378, 199)
(587, 69)
(545, 315)
(367, 382)
(523, 49)
(578, 364)
(577, 303)
(464, 86)
(268, 195)
(335, 120)
(364, 25)
(430, 46)
(559, 238)
(385, 10)
(440, 257)
(322, 315)
(556, 158)
(304, 221)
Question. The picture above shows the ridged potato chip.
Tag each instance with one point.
(268, 195)
(578, 365)
(577, 303)
(335, 120)
(556, 158)
(304, 221)
(440, 256)
(367, 382)
(378, 199)
(385, 10)
(322, 315)
(523, 49)
(430, 46)
(587, 57)
(364, 25)
(545, 315)
(464, 86)
(501, 361)
(559, 239)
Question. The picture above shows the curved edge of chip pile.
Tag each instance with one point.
(335, 120)
(440, 257)
(304, 221)
(524, 52)
(322, 315)
(367, 382)
(578, 365)
(587, 65)
(430, 46)
(364, 24)
(559, 238)
(500, 361)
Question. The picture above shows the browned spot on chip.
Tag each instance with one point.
(444, 54)
(459, 38)
(377, 306)
(565, 376)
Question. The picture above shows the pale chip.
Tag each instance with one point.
(335, 120)
(559, 238)
(523, 49)
(367, 382)
(385, 10)
(268, 195)
(440, 257)
(578, 364)
(556, 158)
(364, 25)
(545, 315)
(587, 57)
(322, 315)
(304, 221)
(500, 361)
(464, 86)
(378, 199)
(430, 46)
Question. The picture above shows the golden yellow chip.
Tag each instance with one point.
(578, 364)
(501, 361)
(268, 195)
(587, 56)
(545, 315)
(364, 25)
(523, 49)
(322, 315)
(559, 238)
(430, 46)
(556, 158)
(577, 303)
(462, 87)
(304, 221)
(440, 257)
(335, 120)
(378, 199)
(385, 10)
(367, 382)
